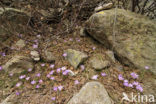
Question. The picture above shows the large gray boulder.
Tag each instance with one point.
(91, 93)
(18, 64)
(134, 42)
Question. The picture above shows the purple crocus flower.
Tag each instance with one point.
(146, 67)
(70, 39)
(53, 98)
(3, 54)
(65, 41)
(22, 76)
(17, 93)
(18, 84)
(65, 72)
(139, 87)
(125, 81)
(135, 83)
(65, 55)
(94, 48)
(1, 68)
(51, 72)
(95, 77)
(48, 75)
(38, 74)
(27, 78)
(35, 46)
(103, 74)
(42, 64)
(76, 82)
(36, 41)
(55, 88)
(130, 85)
(33, 82)
(120, 77)
(126, 84)
(82, 67)
(58, 70)
(30, 69)
(60, 88)
(134, 75)
(63, 68)
(52, 78)
(37, 86)
(52, 66)
(40, 81)
(11, 74)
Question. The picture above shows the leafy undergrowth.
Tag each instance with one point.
(48, 83)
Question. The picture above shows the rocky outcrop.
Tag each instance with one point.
(134, 41)
(15, 17)
(91, 93)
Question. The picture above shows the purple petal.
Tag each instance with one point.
(95, 77)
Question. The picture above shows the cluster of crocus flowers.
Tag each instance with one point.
(131, 85)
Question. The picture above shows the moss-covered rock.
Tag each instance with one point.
(75, 57)
(134, 41)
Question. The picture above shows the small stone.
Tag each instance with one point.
(35, 55)
(98, 62)
(75, 57)
(48, 56)
(20, 43)
(71, 73)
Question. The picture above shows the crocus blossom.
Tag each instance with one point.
(94, 77)
(22, 76)
(27, 78)
(53, 98)
(33, 82)
(55, 88)
(40, 81)
(52, 66)
(18, 84)
(38, 74)
(134, 75)
(42, 64)
(120, 77)
(30, 69)
(60, 88)
(82, 67)
(65, 55)
(103, 74)
(139, 88)
(37, 86)
(17, 93)
(1, 68)
(58, 70)
(76, 82)
(52, 78)
(146, 67)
